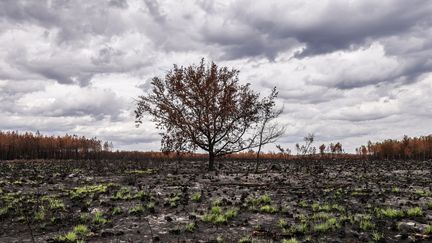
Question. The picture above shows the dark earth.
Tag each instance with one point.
(303, 200)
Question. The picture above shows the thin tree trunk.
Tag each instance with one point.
(211, 161)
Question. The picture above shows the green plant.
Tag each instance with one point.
(216, 210)
(302, 204)
(329, 224)
(39, 215)
(123, 193)
(377, 236)
(81, 230)
(196, 197)
(245, 239)
(142, 172)
(216, 216)
(428, 230)
(117, 211)
(429, 205)
(54, 203)
(231, 213)
(99, 219)
(395, 190)
(366, 224)
(389, 213)
(422, 193)
(68, 237)
(81, 192)
(190, 227)
(265, 199)
(292, 240)
(136, 210)
(151, 207)
(282, 223)
(414, 212)
(268, 209)
(173, 201)
(299, 229)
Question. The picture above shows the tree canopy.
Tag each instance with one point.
(205, 106)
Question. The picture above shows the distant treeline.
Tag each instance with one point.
(15, 145)
(406, 148)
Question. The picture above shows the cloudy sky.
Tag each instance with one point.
(346, 70)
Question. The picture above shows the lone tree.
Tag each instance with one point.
(205, 106)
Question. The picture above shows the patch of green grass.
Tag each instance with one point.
(268, 209)
(414, 212)
(429, 205)
(40, 214)
(54, 203)
(136, 210)
(173, 201)
(329, 224)
(366, 224)
(196, 197)
(245, 239)
(190, 227)
(422, 193)
(99, 219)
(216, 216)
(428, 230)
(265, 199)
(151, 207)
(231, 213)
(389, 213)
(299, 228)
(321, 216)
(68, 237)
(84, 191)
(282, 223)
(292, 240)
(302, 204)
(216, 210)
(142, 172)
(377, 236)
(395, 190)
(117, 211)
(141, 195)
(217, 202)
(81, 230)
(123, 193)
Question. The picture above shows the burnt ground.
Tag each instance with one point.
(289, 201)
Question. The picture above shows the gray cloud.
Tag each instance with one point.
(346, 70)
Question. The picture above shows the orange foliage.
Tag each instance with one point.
(406, 148)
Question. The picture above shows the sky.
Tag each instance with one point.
(346, 70)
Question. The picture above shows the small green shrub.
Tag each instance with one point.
(329, 224)
(292, 240)
(196, 197)
(282, 223)
(190, 227)
(389, 213)
(376, 236)
(414, 212)
(99, 219)
(136, 210)
(117, 211)
(81, 230)
(428, 230)
(366, 224)
(268, 209)
(245, 239)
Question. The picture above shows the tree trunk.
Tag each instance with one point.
(211, 161)
(257, 159)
